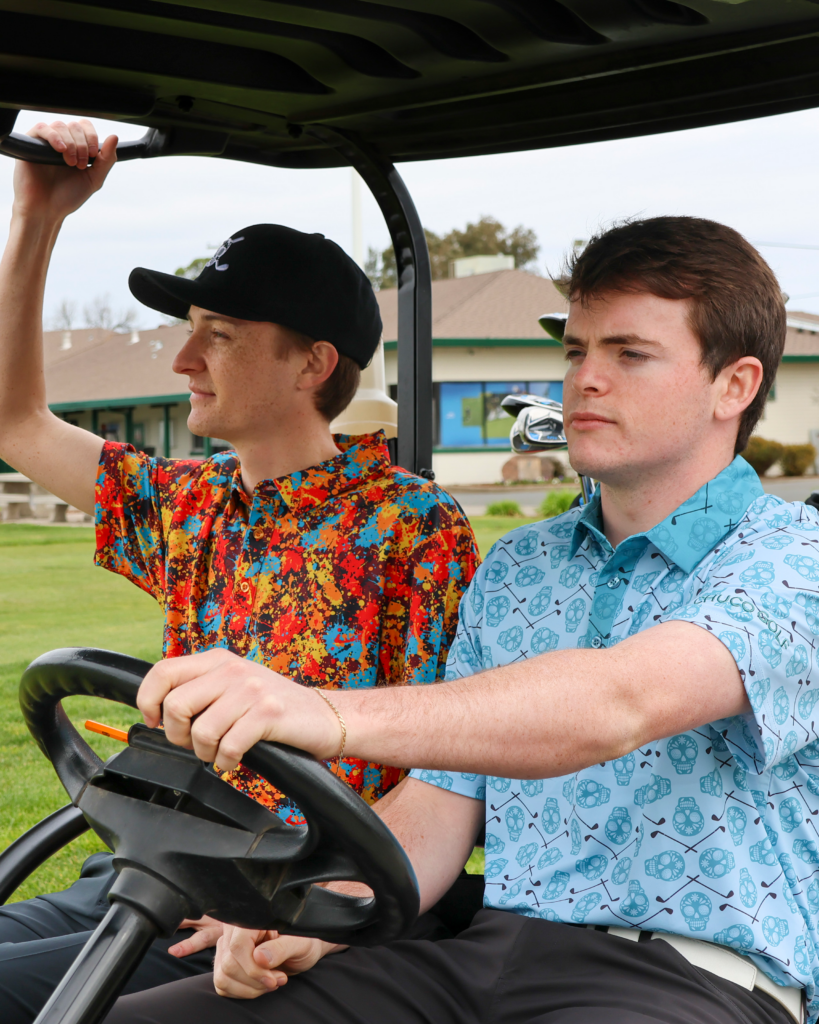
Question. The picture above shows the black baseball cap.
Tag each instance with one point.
(271, 273)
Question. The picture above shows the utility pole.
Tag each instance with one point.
(358, 231)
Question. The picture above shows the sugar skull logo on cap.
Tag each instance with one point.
(220, 252)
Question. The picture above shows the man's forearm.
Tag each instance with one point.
(22, 282)
(551, 715)
(561, 712)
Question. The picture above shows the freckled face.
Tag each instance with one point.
(636, 397)
(242, 377)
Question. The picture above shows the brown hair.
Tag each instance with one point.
(336, 393)
(737, 308)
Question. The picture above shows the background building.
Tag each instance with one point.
(487, 343)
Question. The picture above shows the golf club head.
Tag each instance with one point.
(538, 426)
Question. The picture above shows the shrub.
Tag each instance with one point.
(796, 458)
(504, 508)
(556, 502)
(761, 454)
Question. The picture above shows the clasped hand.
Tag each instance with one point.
(250, 963)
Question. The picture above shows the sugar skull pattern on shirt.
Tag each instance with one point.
(711, 833)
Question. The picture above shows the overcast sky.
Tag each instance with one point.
(758, 176)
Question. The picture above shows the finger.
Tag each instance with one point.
(91, 137)
(203, 938)
(291, 953)
(239, 738)
(103, 162)
(62, 131)
(80, 144)
(235, 971)
(168, 674)
(56, 135)
(215, 704)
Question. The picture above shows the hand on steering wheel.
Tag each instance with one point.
(220, 705)
(187, 844)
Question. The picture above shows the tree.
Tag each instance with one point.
(99, 313)
(487, 237)
(193, 269)
(65, 317)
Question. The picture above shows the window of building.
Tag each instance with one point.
(469, 415)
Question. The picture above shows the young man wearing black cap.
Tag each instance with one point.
(301, 550)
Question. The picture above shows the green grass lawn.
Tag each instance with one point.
(52, 595)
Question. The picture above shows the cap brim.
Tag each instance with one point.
(554, 324)
(166, 293)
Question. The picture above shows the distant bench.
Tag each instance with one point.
(19, 497)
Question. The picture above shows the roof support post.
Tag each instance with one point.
(414, 295)
(166, 431)
(129, 424)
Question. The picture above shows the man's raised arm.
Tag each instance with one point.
(60, 457)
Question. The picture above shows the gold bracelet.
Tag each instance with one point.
(327, 700)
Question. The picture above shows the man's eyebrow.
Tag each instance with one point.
(210, 317)
(615, 339)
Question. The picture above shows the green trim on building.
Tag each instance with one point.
(544, 342)
(800, 359)
(117, 403)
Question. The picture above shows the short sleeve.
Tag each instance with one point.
(463, 661)
(425, 590)
(131, 515)
(754, 602)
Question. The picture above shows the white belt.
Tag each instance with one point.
(725, 964)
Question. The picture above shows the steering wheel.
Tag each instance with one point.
(187, 844)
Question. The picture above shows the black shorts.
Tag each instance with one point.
(503, 969)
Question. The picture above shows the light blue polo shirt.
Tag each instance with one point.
(714, 833)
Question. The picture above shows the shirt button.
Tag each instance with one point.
(596, 642)
(244, 586)
(613, 582)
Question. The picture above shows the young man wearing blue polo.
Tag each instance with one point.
(629, 706)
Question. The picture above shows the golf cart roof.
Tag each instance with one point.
(413, 79)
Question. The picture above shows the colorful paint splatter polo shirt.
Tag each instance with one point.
(713, 833)
(348, 574)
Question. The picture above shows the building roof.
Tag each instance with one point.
(501, 305)
(803, 336)
(105, 369)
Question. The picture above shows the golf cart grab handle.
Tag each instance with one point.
(36, 151)
(155, 142)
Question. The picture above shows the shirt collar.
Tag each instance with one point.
(696, 527)
(363, 457)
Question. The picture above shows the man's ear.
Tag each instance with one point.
(739, 384)
(319, 364)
